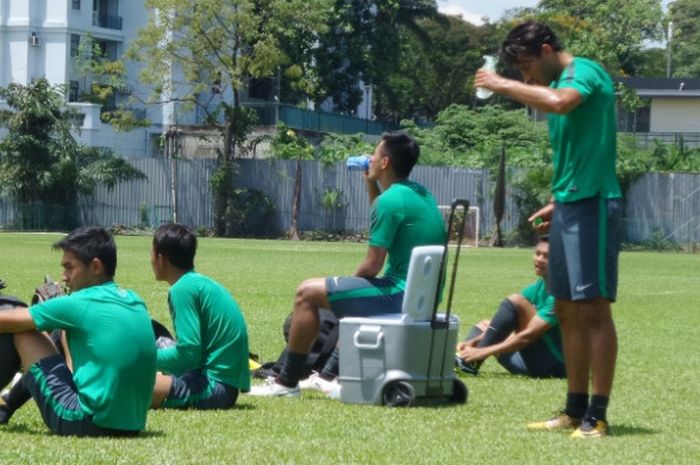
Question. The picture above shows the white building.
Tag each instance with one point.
(40, 38)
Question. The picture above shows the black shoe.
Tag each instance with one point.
(466, 367)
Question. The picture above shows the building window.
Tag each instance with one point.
(74, 44)
(73, 88)
(75, 4)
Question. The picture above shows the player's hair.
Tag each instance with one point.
(526, 39)
(88, 243)
(403, 152)
(543, 238)
(177, 243)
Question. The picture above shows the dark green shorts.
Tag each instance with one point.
(196, 390)
(364, 297)
(584, 244)
(51, 384)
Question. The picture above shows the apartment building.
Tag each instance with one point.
(41, 38)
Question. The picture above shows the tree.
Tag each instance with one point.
(363, 45)
(213, 49)
(41, 164)
(610, 31)
(685, 43)
(102, 80)
(287, 145)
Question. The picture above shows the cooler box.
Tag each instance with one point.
(377, 354)
(395, 358)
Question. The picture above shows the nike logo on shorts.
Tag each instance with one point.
(582, 288)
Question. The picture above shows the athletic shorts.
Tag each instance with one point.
(584, 244)
(363, 297)
(195, 390)
(535, 360)
(51, 384)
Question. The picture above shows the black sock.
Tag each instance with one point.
(503, 323)
(17, 397)
(331, 369)
(576, 404)
(291, 370)
(598, 407)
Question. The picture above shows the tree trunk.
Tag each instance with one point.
(293, 232)
(499, 199)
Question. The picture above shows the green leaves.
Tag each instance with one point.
(40, 161)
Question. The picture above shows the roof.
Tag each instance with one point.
(663, 87)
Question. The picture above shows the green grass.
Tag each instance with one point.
(654, 411)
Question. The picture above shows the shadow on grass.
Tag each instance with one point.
(629, 430)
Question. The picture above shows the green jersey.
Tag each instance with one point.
(403, 217)
(210, 331)
(110, 339)
(537, 295)
(584, 140)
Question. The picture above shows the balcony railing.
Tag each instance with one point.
(317, 121)
(106, 21)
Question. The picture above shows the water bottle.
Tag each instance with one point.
(490, 65)
(358, 162)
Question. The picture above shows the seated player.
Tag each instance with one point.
(207, 365)
(404, 215)
(523, 335)
(111, 386)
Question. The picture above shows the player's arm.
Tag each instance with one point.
(373, 262)
(16, 320)
(559, 101)
(186, 354)
(533, 331)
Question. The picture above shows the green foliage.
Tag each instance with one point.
(660, 242)
(612, 32)
(473, 138)
(288, 145)
(333, 199)
(102, 79)
(337, 147)
(252, 214)
(41, 164)
(685, 44)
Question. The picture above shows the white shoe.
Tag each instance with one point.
(316, 383)
(271, 389)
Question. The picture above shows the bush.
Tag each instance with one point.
(252, 214)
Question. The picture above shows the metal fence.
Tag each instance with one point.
(667, 204)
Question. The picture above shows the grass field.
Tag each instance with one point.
(654, 412)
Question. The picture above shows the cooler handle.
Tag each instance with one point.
(371, 346)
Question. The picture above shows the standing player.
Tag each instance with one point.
(208, 364)
(110, 388)
(584, 216)
(404, 215)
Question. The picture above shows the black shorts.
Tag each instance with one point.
(51, 384)
(195, 390)
(584, 244)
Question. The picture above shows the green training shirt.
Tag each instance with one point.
(537, 295)
(403, 217)
(584, 140)
(210, 330)
(110, 339)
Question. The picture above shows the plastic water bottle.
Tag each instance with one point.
(490, 65)
(358, 162)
